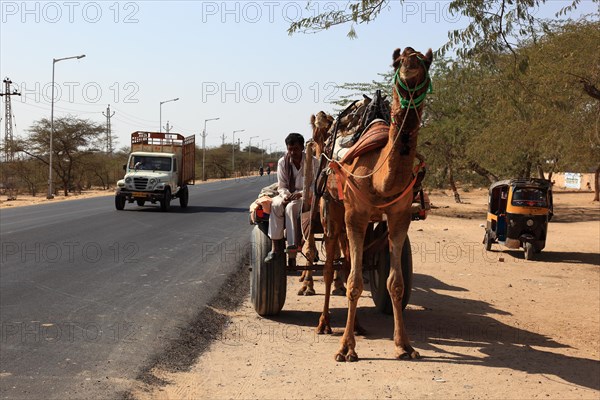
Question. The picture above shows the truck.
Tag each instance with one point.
(159, 169)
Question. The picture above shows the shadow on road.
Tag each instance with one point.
(442, 321)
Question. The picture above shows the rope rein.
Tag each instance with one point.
(356, 176)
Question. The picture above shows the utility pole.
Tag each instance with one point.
(9, 148)
(108, 115)
(223, 137)
(233, 151)
(204, 134)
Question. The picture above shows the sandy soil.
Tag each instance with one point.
(488, 325)
(28, 200)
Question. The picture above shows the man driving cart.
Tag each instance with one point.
(287, 205)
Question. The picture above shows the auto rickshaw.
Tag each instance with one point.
(518, 214)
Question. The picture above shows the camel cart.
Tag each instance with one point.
(268, 282)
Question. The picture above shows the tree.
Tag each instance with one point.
(73, 140)
(492, 24)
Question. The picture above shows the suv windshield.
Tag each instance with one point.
(531, 197)
(150, 163)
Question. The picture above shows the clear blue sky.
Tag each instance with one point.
(232, 60)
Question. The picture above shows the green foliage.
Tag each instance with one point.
(494, 25)
(507, 114)
(74, 140)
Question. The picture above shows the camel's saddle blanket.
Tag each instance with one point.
(375, 137)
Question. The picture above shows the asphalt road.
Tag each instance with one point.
(88, 294)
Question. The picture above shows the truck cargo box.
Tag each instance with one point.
(184, 149)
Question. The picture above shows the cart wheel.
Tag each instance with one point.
(487, 241)
(529, 250)
(141, 203)
(119, 202)
(378, 278)
(268, 280)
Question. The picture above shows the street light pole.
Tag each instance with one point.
(50, 194)
(160, 113)
(262, 146)
(250, 146)
(233, 151)
(250, 154)
(204, 134)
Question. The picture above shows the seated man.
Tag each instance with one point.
(288, 204)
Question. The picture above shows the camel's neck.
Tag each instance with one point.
(401, 147)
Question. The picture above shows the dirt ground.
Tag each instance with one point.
(21, 200)
(487, 324)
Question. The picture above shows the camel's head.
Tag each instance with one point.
(411, 80)
(321, 122)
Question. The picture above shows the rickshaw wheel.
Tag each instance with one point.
(378, 277)
(529, 250)
(268, 281)
(487, 240)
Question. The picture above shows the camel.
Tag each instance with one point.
(380, 182)
(332, 219)
(322, 125)
(316, 146)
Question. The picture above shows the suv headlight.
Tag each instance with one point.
(153, 181)
(128, 179)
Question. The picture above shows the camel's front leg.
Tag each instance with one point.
(308, 285)
(356, 225)
(324, 323)
(398, 228)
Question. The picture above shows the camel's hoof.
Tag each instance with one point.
(301, 279)
(339, 291)
(359, 330)
(352, 357)
(310, 292)
(339, 357)
(301, 291)
(413, 355)
(324, 329)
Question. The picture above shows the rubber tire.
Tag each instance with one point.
(165, 202)
(141, 202)
(529, 249)
(184, 197)
(268, 282)
(378, 279)
(120, 202)
(487, 241)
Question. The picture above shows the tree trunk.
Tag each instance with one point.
(65, 187)
(453, 185)
(590, 89)
(597, 184)
(540, 171)
(527, 173)
(478, 169)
